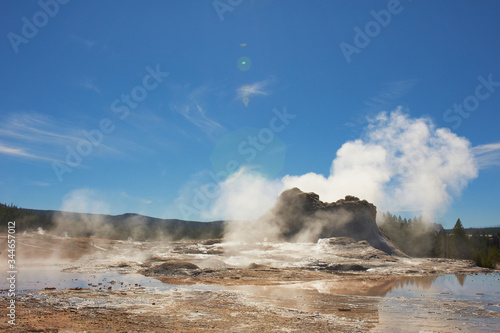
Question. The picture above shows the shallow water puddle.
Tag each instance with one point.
(474, 286)
(443, 303)
(36, 278)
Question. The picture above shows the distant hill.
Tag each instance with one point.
(124, 226)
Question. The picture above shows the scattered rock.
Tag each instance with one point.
(347, 267)
(211, 241)
(212, 263)
(122, 264)
(338, 240)
(173, 268)
(157, 258)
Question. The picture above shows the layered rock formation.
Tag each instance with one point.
(300, 216)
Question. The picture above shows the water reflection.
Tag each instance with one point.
(358, 286)
(343, 297)
(380, 303)
(40, 277)
(461, 278)
(374, 286)
(420, 282)
(310, 301)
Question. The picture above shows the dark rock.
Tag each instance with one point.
(347, 267)
(122, 264)
(156, 258)
(340, 241)
(211, 241)
(173, 268)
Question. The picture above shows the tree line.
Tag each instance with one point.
(26, 219)
(419, 238)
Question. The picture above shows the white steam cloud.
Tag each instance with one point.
(85, 200)
(400, 164)
(82, 201)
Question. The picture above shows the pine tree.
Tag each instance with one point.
(460, 247)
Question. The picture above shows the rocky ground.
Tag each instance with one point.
(337, 284)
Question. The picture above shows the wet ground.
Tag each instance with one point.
(94, 285)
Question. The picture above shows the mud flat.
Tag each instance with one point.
(336, 284)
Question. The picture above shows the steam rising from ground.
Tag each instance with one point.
(92, 222)
(270, 229)
(85, 201)
(401, 163)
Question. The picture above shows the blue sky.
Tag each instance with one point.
(158, 97)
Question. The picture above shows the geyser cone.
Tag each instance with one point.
(300, 216)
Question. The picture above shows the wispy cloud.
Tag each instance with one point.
(196, 115)
(192, 108)
(487, 155)
(86, 42)
(257, 88)
(39, 183)
(90, 85)
(37, 136)
(136, 199)
(34, 127)
(390, 93)
(20, 152)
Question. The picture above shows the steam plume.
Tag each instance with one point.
(401, 163)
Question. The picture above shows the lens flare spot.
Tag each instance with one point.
(244, 63)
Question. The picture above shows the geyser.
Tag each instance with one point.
(302, 217)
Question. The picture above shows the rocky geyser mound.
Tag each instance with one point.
(300, 216)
